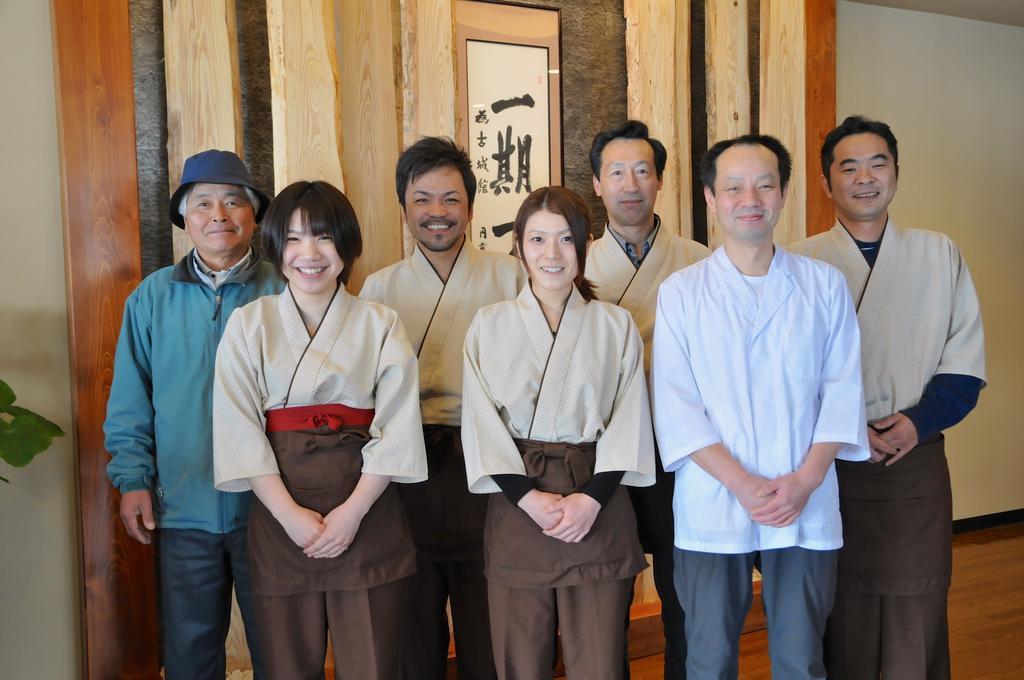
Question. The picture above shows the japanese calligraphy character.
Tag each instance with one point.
(503, 157)
(502, 104)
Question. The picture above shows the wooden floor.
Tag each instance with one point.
(986, 613)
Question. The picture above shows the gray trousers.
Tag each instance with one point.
(797, 589)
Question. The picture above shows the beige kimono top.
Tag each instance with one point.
(584, 383)
(359, 357)
(917, 308)
(636, 289)
(437, 314)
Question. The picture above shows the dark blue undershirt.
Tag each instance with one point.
(600, 487)
(948, 397)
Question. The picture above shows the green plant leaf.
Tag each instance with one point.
(25, 437)
(6, 395)
(49, 426)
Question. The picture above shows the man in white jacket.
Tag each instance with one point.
(757, 389)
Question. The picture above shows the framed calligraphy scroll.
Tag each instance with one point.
(509, 109)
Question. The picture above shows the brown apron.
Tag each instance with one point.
(447, 520)
(320, 468)
(897, 523)
(518, 555)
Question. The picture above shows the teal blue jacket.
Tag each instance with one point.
(159, 415)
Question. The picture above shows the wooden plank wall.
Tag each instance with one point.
(204, 109)
(783, 88)
(428, 73)
(99, 197)
(352, 83)
(727, 79)
(658, 72)
(371, 136)
(819, 105)
(305, 100)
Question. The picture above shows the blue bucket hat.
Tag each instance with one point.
(214, 167)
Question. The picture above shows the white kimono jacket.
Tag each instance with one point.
(765, 380)
(359, 357)
(583, 384)
(918, 311)
(436, 315)
(636, 289)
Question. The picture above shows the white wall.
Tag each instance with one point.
(953, 91)
(39, 582)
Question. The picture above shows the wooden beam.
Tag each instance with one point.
(727, 78)
(428, 69)
(370, 131)
(427, 74)
(305, 101)
(820, 106)
(783, 91)
(99, 197)
(204, 108)
(657, 68)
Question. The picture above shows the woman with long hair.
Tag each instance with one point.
(555, 421)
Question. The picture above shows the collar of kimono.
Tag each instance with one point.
(858, 274)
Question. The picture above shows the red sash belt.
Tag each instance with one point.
(335, 416)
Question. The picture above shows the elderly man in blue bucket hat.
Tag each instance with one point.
(159, 414)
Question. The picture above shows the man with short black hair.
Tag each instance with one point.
(924, 367)
(627, 265)
(437, 292)
(756, 388)
(159, 415)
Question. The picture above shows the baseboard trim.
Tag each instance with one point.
(996, 519)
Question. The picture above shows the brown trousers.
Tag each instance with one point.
(365, 629)
(913, 628)
(590, 617)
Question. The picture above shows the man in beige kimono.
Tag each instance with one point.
(437, 292)
(924, 366)
(627, 265)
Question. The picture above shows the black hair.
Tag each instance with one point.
(431, 153)
(708, 163)
(561, 201)
(856, 125)
(324, 210)
(632, 129)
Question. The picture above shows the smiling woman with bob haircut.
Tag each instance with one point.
(555, 420)
(316, 409)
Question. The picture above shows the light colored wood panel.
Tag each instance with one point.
(658, 93)
(304, 96)
(727, 79)
(201, 70)
(370, 135)
(684, 185)
(428, 74)
(783, 88)
(428, 69)
(657, 63)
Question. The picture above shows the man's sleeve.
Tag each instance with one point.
(129, 425)
(681, 424)
(841, 416)
(964, 352)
